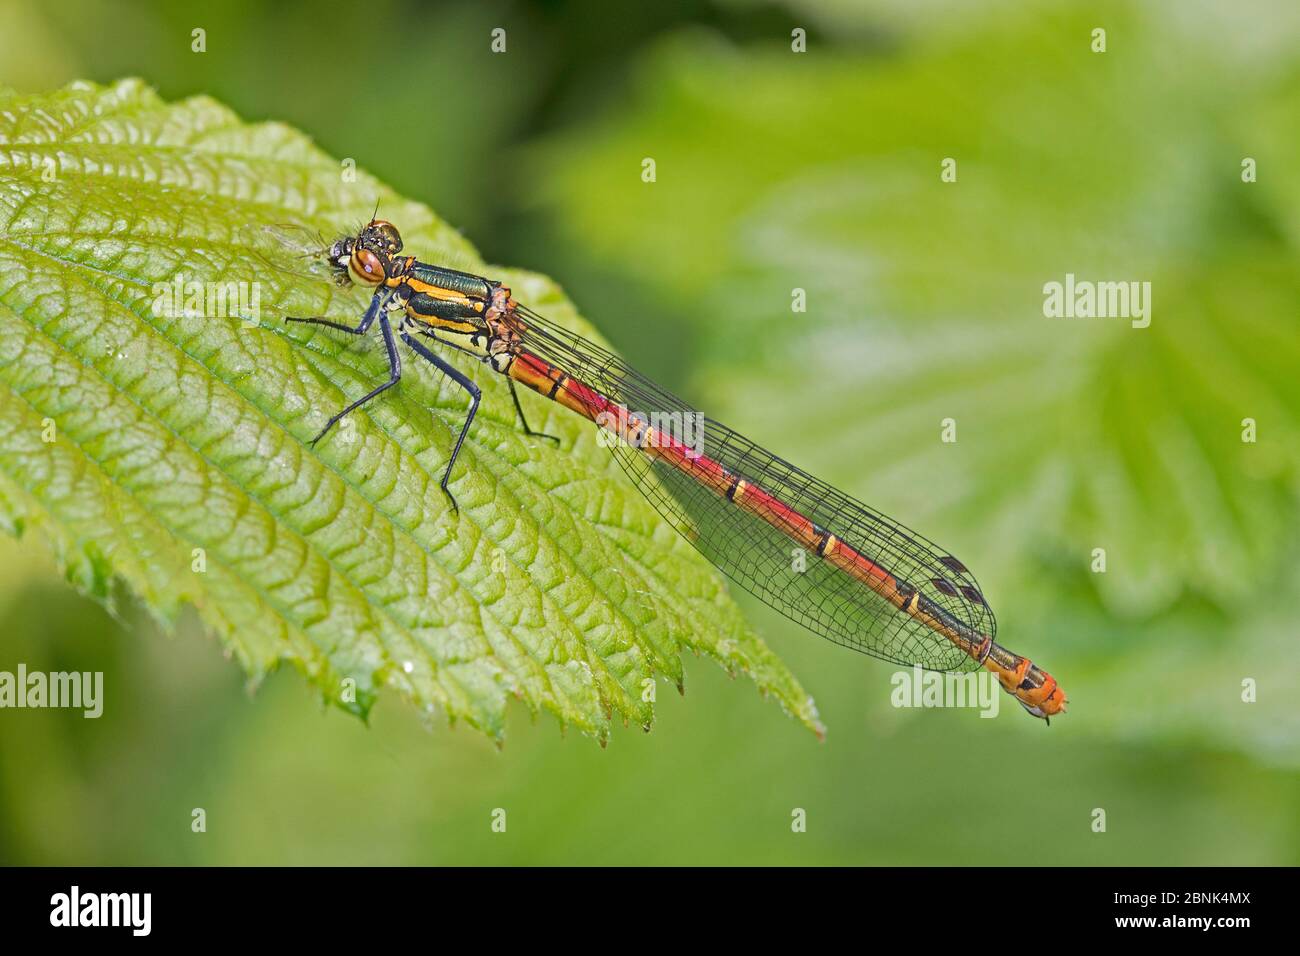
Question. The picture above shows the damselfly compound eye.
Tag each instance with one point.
(366, 267)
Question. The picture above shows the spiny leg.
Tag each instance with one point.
(510, 381)
(523, 421)
(452, 345)
(464, 382)
(376, 304)
(394, 373)
(317, 320)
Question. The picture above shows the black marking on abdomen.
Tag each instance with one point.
(909, 595)
(736, 482)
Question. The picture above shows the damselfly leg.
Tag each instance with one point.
(519, 408)
(524, 421)
(377, 302)
(376, 310)
(457, 376)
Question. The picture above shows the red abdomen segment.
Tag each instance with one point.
(1036, 690)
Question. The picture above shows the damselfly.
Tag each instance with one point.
(868, 582)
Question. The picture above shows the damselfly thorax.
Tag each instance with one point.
(459, 309)
(868, 583)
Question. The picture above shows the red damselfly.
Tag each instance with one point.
(870, 583)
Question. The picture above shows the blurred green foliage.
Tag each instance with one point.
(818, 171)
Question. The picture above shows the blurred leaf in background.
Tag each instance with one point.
(819, 171)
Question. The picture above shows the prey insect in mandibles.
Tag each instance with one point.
(869, 583)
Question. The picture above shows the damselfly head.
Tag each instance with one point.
(365, 258)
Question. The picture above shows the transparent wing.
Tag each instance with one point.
(759, 556)
(289, 247)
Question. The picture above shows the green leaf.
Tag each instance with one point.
(145, 443)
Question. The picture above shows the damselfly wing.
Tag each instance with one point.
(759, 547)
